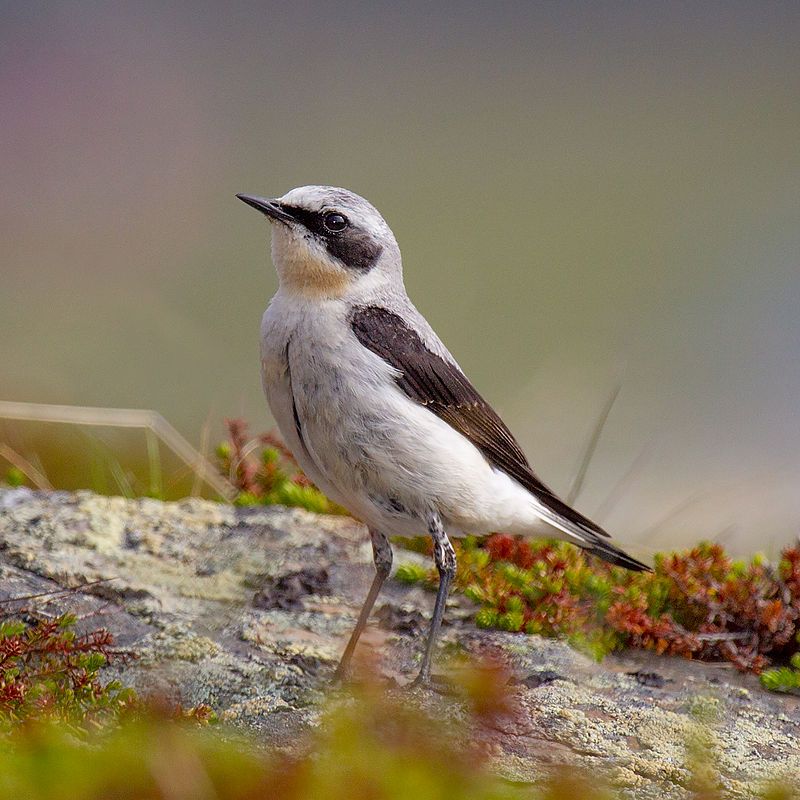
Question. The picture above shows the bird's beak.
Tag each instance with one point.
(270, 208)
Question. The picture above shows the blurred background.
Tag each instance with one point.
(586, 195)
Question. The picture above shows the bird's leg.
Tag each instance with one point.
(382, 555)
(445, 558)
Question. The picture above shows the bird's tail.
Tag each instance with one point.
(614, 555)
(589, 536)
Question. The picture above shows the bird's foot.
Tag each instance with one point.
(343, 674)
(433, 683)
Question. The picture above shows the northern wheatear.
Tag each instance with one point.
(375, 409)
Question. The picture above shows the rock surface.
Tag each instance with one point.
(248, 610)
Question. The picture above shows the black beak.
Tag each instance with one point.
(270, 208)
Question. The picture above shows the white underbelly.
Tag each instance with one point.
(393, 461)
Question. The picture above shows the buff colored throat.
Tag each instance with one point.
(300, 271)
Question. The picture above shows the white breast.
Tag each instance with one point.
(279, 326)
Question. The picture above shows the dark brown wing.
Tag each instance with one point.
(441, 387)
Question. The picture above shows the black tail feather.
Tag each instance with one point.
(613, 555)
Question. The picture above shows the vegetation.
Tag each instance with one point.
(697, 604)
(371, 743)
(49, 672)
(264, 472)
(128, 452)
(15, 477)
(784, 678)
(67, 732)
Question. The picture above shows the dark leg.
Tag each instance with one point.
(445, 558)
(382, 554)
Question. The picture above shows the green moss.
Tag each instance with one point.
(246, 499)
(786, 678)
(412, 573)
(288, 493)
(15, 477)
(489, 618)
(267, 475)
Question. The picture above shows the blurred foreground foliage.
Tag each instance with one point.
(372, 743)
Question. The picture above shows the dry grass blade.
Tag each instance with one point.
(122, 418)
(591, 446)
(199, 474)
(35, 476)
(54, 593)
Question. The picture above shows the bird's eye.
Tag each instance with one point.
(335, 222)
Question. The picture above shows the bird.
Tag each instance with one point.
(378, 413)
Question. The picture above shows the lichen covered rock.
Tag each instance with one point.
(247, 610)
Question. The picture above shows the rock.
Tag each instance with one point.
(401, 619)
(287, 592)
(248, 610)
(537, 679)
(649, 678)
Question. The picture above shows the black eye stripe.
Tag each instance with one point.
(310, 219)
(357, 250)
(351, 245)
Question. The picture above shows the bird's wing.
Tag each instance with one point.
(442, 387)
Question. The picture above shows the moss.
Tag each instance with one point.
(785, 678)
(265, 472)
(412, 573)
(15, 477)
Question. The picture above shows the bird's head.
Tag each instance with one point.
(328, 242)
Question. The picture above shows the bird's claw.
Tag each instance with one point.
(340, 677)
(433, 683)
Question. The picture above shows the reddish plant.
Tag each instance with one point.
(714, 609)
(697, 604)
(264, 471)
(49, 671)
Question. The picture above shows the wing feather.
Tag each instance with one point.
(439, 385)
